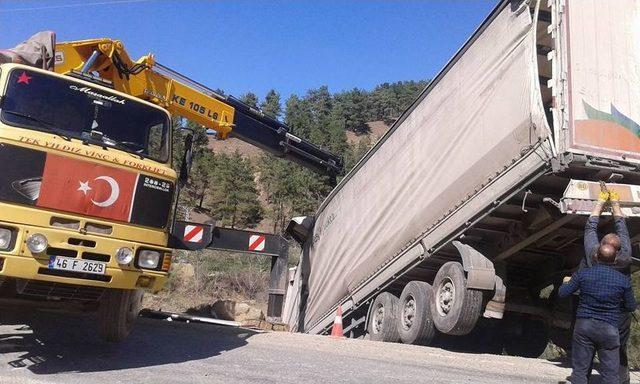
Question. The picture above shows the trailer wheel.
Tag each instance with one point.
(383, 325)
(117, 312)
(529, 340)
(415, 324)
(455, 309)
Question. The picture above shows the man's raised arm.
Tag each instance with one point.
(591, 242)
(623, 258)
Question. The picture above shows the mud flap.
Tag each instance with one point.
(480, 272)
(495, 306)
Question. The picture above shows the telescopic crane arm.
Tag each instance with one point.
(181, 96)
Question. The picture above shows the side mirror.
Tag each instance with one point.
(187, 160)
(300, 228)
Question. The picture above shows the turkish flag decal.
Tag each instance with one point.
(90, 189)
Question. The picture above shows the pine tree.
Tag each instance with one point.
(250, 99)
(201, 172)
(320, 104)
(298, 116)
(350, 110)
(275, 178)
(271, 105)
(389, 100)
(234, 193)
(195, 191)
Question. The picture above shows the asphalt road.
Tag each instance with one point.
(40, 347)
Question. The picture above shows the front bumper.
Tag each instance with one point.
(20, 263)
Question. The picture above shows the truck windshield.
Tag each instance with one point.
(47, 103)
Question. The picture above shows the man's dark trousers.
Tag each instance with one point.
(590, 336)
(624, 328)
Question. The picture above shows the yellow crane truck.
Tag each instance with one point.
(87, 188)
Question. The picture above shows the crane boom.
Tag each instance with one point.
(228, 116)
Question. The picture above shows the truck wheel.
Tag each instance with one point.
(117, 312)
(455, 309)
(528, 339)
(415, 324)
(383, 325)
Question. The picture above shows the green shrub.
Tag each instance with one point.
(230, 275)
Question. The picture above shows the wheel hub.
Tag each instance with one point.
(378, 319)
(445, 296)
(408, 312)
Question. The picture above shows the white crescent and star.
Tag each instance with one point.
(113, 196)
(84, 187)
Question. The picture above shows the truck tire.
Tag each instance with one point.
(383, 325)
(415, 324)
(454, 308)
(530, 338)
(117, 311)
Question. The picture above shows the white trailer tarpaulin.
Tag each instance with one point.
(603, 45)
(37, 51)
(474, 120)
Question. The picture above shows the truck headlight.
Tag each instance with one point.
(6, 235)
(149, 259)
(124, 255)
(37, 243)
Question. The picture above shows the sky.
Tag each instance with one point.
(286, 45)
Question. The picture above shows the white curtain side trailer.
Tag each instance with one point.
(482, 170)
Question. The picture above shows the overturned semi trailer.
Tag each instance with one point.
(473, 203)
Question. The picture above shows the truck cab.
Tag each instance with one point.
(85, 194)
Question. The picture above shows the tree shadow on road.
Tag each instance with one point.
(48, 343)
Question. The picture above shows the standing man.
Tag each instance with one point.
(622, 244)
(604, 294)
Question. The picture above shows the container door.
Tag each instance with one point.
(603, 61)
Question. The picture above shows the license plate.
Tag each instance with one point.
(77, 265)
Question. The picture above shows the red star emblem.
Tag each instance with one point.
(23, 78)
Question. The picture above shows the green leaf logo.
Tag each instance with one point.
(615, 117)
